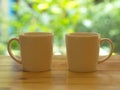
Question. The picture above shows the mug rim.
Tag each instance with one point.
(36, 34)
(83, 34)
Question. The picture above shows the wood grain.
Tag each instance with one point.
(107, 76)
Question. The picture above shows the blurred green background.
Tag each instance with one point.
(59, 17)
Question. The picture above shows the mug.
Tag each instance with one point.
(83, 51)
(36, 50)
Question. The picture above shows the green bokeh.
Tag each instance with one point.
(65, 16)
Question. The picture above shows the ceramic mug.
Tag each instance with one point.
(83, 51)
(36, 50)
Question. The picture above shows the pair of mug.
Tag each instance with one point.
(37, 50)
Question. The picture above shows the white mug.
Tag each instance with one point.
(36, 51)
(83, 51)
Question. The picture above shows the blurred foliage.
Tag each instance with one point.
(65, 16)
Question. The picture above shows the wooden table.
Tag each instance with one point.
(107, 76)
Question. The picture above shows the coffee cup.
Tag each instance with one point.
(36, 50)
(83, 51)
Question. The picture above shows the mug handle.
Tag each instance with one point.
(111, 49)
(10, 51)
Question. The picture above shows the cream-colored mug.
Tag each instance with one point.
(83, 51)
(36, 51)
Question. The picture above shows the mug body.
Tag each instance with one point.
(82, 51)
(36, 51)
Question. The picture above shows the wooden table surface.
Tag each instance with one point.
(107, 76)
